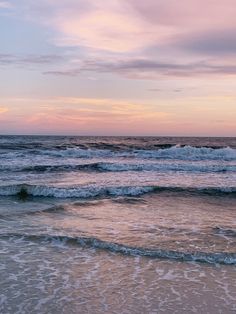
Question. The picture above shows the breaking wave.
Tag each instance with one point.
(175, 152)
(72, 192)
(119, 167)
(203, 257)
(89, 191)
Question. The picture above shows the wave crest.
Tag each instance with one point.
(203, 257)
(90, 191)
(174, 152)
(122, 167)
(72, 192)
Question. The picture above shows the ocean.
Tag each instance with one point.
(117, 225)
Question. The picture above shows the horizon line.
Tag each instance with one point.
(76, 135)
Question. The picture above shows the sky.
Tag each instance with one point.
(118, 67)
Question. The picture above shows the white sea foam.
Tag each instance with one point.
(175, 152)
(165, 167)
(189, 153)
(121, 166)
(73, 192)
(62, 240)
(89, 191)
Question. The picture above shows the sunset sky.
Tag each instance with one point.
(118, 67)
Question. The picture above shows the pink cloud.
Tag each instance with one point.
(133, 25)
(3, 110)
(140, 39)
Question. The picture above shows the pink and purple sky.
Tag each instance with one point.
(118, 67)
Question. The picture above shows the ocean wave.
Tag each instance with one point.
(174, 152)
(89, 191)
(118, 167)
(62, 168)
(203, 257)
(24, 190)
(125, 144)
(225, 231)
(190, 153)
(121, 167)
(177, 152)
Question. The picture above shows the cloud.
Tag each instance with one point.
(109, 26)
(135, 39)
(83, 115)
(176, 90)
(5, 5)
(3, 110)
(150, 69)
(68, 72)
(194, 13)
(112, 26)
(213, 43)
(75, 115)
(24, 60)
(78, 103)
(123, 26)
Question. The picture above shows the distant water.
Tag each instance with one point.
(117, 225)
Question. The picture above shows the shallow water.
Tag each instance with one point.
(117, 225)
(51, 278)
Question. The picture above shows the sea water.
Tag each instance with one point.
(117, 225)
